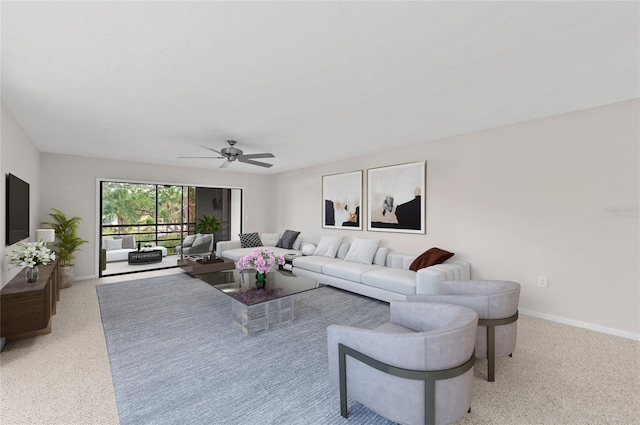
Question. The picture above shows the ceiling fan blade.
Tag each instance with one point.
(257, 155)
(225, 164)
(202, 157)
(213, 150)
(248, 161)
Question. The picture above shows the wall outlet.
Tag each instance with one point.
(542, 281)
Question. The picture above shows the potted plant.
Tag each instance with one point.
(67, 242)
(208, 224)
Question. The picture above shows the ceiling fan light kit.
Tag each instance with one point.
(232, 153)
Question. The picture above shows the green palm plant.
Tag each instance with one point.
(67, 239)
(208, 224)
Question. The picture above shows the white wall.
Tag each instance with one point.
(521, 201)
(21, 158)
(533, 199)
(69, 184)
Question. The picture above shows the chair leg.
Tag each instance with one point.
(491, 324)
(491, 353)
(342, 367)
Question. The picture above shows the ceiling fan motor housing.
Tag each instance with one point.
(231, 152)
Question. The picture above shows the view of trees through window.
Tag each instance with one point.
(154, 214)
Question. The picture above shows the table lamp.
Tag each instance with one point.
(45, 235)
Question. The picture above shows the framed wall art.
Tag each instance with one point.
(396, 198)
(342, 201)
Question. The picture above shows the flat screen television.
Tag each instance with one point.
(17, 209)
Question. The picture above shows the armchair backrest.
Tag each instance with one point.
(441, 326)
(492, 299)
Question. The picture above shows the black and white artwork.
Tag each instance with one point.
(342, 201)
(396, 198)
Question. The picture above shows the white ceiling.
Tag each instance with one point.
(311, 82)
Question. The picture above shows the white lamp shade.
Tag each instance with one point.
(46, 235)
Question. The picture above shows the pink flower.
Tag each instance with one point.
(260, 260)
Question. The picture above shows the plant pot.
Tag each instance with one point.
(66, 276)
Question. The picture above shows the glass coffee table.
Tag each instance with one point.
(254, 310)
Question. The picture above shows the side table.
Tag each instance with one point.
(145, 257)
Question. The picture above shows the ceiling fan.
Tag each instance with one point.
(232, 153)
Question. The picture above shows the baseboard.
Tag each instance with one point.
(579, 324)
(85, 278)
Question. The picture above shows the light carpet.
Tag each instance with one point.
(176, 357)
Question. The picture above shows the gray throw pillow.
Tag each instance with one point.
(287, 239)
(250, 240)
(188, 241)
(129, 242)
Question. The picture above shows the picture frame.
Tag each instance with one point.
(342, 201)
(396, 198)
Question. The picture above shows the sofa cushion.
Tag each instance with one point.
(111, 244)
(362, 250)
(269, 239)
(287, 239)
(313, 263)
(429, 258)
(250, 240)
(328, 246)
(399, 261)
(398, 280)
(347, 270)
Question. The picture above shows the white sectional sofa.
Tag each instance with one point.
(362, 267)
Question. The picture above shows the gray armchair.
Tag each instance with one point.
(195, 245)
(496, 302)
(415, 369)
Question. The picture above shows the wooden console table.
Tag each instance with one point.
(26, 308)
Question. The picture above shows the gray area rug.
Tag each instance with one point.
(176, 358)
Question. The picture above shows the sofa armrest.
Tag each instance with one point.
(428, 279)
(222, 246)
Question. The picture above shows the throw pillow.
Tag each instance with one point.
(380, 259)
(297, 244)
(188, 241)
(269, 239)
(343, 250)
(362, 251)
(250, 240)
(287, 239)
(429, 258)
(111, 244)
(308, 249)
(198, 241)
(129, 242)
(328, 246)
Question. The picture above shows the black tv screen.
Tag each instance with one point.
(17, 209)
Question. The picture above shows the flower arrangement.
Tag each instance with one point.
(32, 254)
(260, 260)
